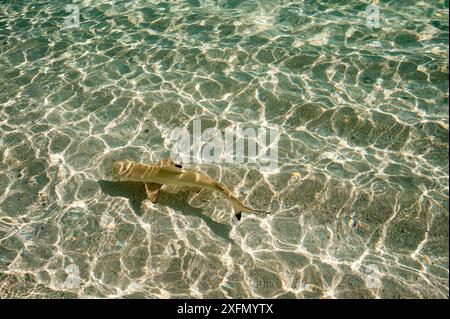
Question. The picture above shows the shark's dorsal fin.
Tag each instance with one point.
(166, 162)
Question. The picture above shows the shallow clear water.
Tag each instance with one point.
(359, 203)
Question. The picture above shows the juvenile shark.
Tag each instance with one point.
(166, 172)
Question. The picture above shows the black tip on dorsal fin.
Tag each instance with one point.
(168, 162)
(238, 216)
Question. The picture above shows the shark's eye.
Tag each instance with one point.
(178, 165)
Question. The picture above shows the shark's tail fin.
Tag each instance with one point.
(238, 208)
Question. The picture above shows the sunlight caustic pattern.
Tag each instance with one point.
(359, 203)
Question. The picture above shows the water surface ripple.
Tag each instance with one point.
(359, 203)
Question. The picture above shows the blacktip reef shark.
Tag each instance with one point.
(166, 172)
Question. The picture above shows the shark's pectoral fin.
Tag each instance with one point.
(152, 189)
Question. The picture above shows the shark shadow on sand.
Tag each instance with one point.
(135, 193)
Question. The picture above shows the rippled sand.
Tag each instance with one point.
(359, 205)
